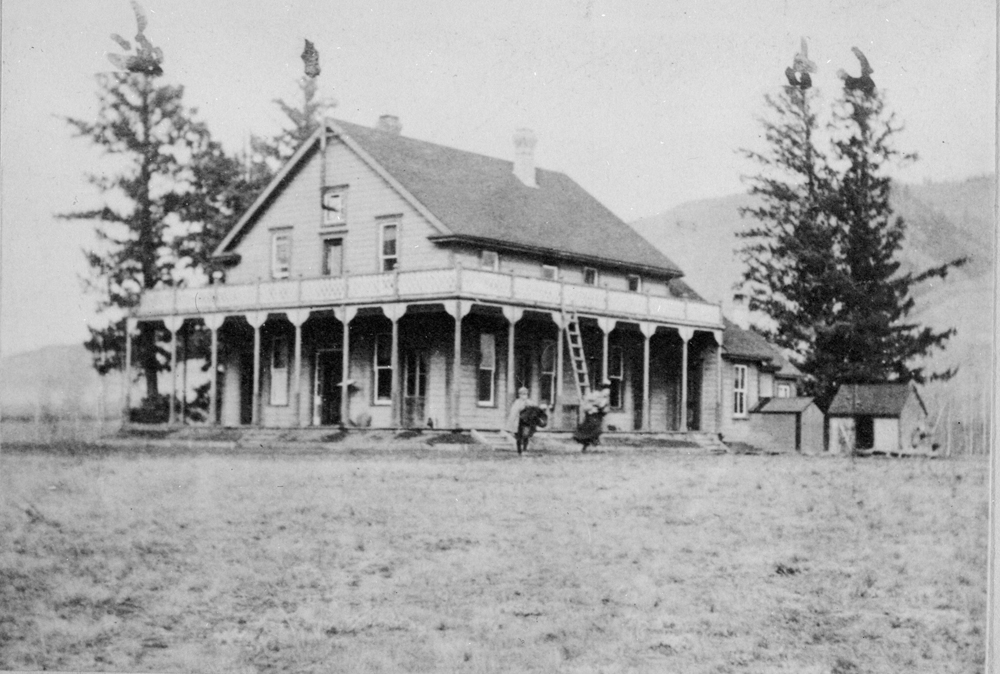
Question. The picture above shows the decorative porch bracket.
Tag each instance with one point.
(647, 329)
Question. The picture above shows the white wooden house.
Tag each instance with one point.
(389, 279)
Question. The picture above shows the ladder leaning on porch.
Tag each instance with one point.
(575, 342)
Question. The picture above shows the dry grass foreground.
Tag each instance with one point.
(482, 562)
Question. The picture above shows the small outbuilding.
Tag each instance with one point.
(887, 418)
(787, 425)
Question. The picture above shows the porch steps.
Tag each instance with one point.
(575, 342)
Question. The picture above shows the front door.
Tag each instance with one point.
(326, 396)
(414, 388)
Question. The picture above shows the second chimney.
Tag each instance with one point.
(389, 124)
(524, 156)
(740, 313)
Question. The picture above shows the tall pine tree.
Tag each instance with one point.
(822, 255)
(789, 249)
(873, 337)
(148, 203)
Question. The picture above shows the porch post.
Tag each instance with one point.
(606, 325)
(297, 317)
(647, 330)
(173, 325)
(513, 315)
(213, 322)
(256, 320)
(130, 325)
(718, 380)
(558, 320)
(394, 312)
(458, 310)
(346, 315)
(686, 334)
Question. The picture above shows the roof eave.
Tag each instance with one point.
(663, 272)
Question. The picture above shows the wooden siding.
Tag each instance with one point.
(531, 266)
(368, 198)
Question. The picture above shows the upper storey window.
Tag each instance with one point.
(335, 206)
(388, 245)
(634, 284)
(550, 272)
(589, 276)
(281, 253)
(489, 259)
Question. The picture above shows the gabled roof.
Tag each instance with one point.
(782, 405)
(477, 199)
(740, 344)
(878, 400)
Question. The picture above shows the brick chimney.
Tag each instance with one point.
(740, 312)
(389, 124)
(524, 156)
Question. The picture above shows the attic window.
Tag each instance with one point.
(335, 206)
(784, 391)
(589, 276)
(489, 259)
(550, 272)
(281, 253)
(634, 284)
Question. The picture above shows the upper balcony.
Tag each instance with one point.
(427, 286)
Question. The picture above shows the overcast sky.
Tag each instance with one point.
(642, 103)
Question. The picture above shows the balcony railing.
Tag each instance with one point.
(424, 285)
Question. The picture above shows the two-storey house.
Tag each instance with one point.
(386, 280)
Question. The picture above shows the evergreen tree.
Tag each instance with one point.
(270, 154)
(822, 255)
(789, 250)
(873, 338)
(148, 203)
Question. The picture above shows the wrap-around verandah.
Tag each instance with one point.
(662, 354)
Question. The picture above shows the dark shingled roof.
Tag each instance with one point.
(745, 344)
(879, 400)
(782, 405)
(480, 200)
(740, 344)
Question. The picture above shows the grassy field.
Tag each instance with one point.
(476, 561)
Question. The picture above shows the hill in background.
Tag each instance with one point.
(944, 221)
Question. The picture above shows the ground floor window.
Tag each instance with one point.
(487, 368)
(383, 369)
(740, 390)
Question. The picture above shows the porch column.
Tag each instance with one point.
(345, 315)
(458, 309)
(256, 319)
(394, 312)
(560, 324)
(686, 335)
(513, 315)
(130, 325)
(647, 330)
(606, 325)
(173, 324)
(297, 317)
(213, 322)
(718, 380)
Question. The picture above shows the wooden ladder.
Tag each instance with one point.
(575, 342)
